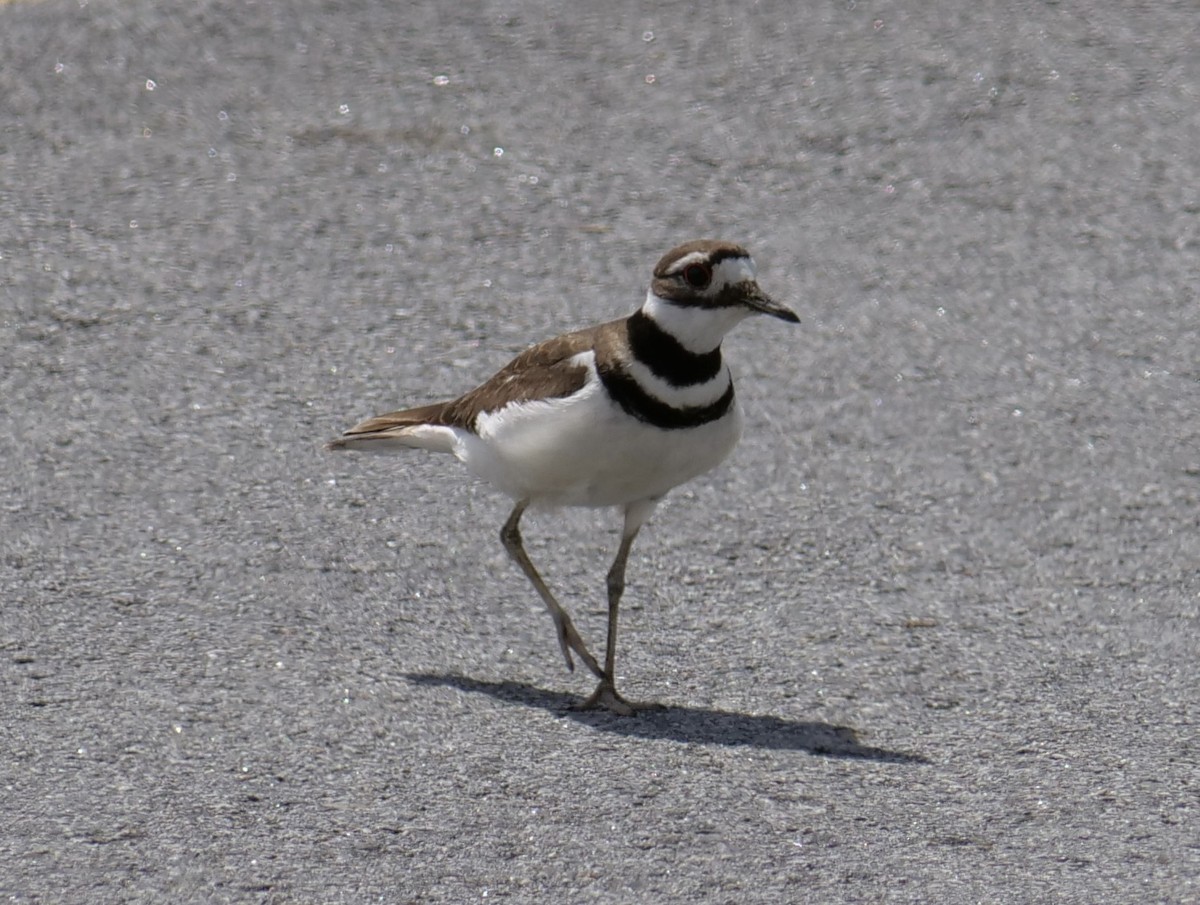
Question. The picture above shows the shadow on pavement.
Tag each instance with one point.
(685, 724)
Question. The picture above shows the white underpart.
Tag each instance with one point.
(584, 450)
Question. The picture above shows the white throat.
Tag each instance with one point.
(698, 330)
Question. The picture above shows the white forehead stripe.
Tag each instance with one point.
(728, 272)
(695, 257)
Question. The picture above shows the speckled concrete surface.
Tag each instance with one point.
(930, 636)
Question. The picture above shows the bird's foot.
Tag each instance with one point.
(605, 697)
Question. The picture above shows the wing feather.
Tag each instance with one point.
(545, 371)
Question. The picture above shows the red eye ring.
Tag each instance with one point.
(698, 276)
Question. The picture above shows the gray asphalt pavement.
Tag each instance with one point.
(931, 635)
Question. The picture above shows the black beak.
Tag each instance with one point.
(757, 300)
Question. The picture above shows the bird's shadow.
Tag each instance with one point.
(685, 724)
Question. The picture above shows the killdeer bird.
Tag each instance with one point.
(614, 415)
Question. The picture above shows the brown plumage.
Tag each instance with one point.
(544, 371)
(615, 415)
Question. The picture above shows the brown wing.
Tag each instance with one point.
(544, 371)
(425, 414)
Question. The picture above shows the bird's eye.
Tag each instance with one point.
(698, 276)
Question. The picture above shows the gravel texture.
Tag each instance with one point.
(931, 635)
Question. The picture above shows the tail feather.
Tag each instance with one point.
(420, 428)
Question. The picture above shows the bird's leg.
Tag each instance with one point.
(605, 696)
(568, 638)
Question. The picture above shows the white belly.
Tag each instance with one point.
(584, 450)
